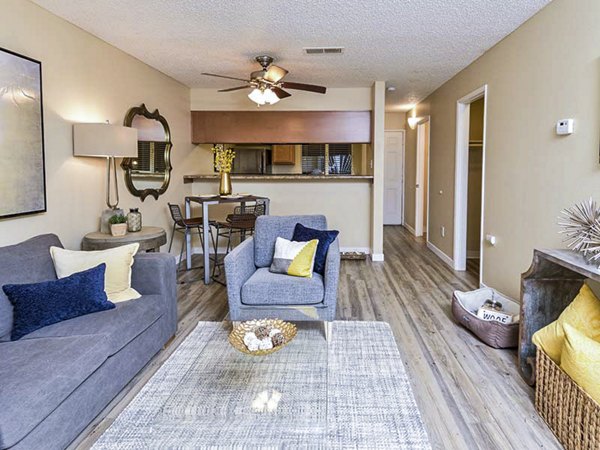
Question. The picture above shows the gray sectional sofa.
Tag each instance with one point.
(55, 381)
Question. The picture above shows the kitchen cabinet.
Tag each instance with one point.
(283, 154)
(283, 127)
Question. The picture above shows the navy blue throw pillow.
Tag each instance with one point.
(325, 237)
(38, 305)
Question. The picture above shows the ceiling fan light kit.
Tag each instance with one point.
(267, 85)
(263, 96)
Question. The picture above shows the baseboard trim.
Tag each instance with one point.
(409, 228)
(366, 250)
(377, 257)
(440, 254)
(198, 251)
(473, 254)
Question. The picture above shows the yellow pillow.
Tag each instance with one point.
(294, 258)
(581, 361)
(583, 314)
(117, 278)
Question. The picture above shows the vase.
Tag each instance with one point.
(134, 220)
(225, 184)
(118, 229)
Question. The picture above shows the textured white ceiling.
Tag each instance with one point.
(414, 45)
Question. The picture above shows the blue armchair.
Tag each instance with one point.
(255, 293)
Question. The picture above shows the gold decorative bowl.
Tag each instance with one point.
(236, 337)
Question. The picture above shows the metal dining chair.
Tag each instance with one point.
(241, 223)
(186, 227)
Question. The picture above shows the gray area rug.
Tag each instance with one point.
(350, 393)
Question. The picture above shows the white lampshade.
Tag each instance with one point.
(270, 97)
(104, 140)
(257, 96)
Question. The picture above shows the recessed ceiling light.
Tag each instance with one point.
(391, 88)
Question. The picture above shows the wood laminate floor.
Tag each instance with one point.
(470, 395)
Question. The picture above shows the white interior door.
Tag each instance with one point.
(393, 184)
(420, 179)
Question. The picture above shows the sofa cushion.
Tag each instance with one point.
(119, 326)
(38, 374)
(269, 228)
(37, 305)
(27, 262)
(267, 288)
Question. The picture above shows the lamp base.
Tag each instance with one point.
(106, 215)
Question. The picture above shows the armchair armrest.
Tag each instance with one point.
(332, 276)
(239, 267)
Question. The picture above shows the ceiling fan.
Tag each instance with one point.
(267, 84)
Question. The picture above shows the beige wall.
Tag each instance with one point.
(87, 80)
(344, 203)
(395, 120)
(546, 70)
(336, 99)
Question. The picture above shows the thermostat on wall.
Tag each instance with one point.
(564, 126)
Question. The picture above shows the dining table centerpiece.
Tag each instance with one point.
(223, 163)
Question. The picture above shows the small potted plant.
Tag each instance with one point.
(118, 225)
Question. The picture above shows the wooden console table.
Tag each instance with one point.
(149, 238)
(547, 288)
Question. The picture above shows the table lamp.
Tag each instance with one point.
(103, 140)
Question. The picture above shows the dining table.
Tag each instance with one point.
(205, 201)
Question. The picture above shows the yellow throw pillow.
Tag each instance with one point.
(581, 361)
(583, 314)
(294, 258)
(117, 278)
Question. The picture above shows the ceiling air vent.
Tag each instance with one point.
(323, 50)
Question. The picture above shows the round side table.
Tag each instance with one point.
(149, 238)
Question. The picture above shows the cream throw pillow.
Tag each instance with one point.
(294, 258)
(117, 278)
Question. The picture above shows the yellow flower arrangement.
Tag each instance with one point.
(223, 158)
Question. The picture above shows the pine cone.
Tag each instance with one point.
(278, 339)
(261, 332)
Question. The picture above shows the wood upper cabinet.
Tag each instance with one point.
(284, 154)
(283, 127)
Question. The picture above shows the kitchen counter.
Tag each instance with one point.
(281, 177)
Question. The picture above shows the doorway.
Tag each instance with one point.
(469, 179)
(422, 178)
(393, 185)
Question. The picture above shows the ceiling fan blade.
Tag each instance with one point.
(275, 73)
(280, 93)
(224, 76)
(234, 88)
(304, 87)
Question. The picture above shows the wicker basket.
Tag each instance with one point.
(572, 415)
(494, 334)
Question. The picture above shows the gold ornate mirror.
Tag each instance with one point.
(150, 172)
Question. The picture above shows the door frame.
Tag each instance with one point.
(403, 132)
(420, 154)
(461, 176)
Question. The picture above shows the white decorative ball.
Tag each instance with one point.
(265, 344)
(274, 331)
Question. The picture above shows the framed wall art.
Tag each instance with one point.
(22, 171)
